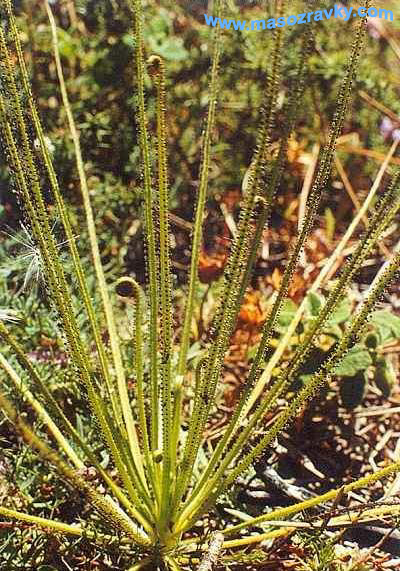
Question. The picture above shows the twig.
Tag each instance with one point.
(335, 504)
(304, 194)
(211, 557)
(349, 188)
(358, 564)
(381, 410)
(180, 222)
(72, 13)
(380, 157)
(379, 106)
(229, 220)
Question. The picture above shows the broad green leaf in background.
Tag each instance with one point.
(162, 40)
(357, 359)
(314, 303)
(170, 49)
(387, 325)
(341, 313)
(289, 309)
(384, 376)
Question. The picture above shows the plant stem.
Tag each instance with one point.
(124, 403)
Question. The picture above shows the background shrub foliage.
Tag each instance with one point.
(283, 120)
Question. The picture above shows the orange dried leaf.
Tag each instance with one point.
(211, 267)
(251, 312)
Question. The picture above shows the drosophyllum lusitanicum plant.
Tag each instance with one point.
(161, 489)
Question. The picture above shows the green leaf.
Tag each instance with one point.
(171, 48)
(357, 359)
(287, 313)
(159, 26)
(384, 376)
(68, 47)
(341, 313)
(128, 40)
(251, 352)
(387, 324)
(314, 303)
(305, 378)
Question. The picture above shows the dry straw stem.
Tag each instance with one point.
(349, 188)
(308, 179)
(376, 155)
(380, 106)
